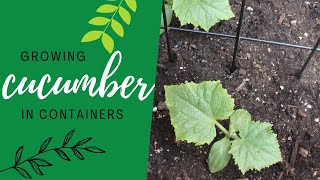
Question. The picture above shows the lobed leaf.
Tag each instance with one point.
(92, 36)
(99, 21)
(219, 156)
(125, 15)
(107, 8)
(117, 27)
(221, 103)
(203, 13)
(195, 108)
(257, 148)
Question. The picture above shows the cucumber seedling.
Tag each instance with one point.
(197, 109)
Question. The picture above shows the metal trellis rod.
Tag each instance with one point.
(235, 52)
(238, 38)
(308, 59)
(242, 38)
(165, 23)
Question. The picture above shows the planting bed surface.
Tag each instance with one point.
(263, 84)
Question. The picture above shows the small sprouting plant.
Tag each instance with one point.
(197, 109)
(200, 13)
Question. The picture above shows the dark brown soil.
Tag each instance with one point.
(268, 90)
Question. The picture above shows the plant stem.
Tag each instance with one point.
(225, 131)
(234, 136)
(5, 169)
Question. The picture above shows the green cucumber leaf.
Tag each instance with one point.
(219, 156)
(195, 108)
(203, 13)
(238, 120)
(257, 148)
(168, 16)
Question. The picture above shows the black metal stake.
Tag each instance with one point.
(299, 74)
(238, 37)
(164, 16)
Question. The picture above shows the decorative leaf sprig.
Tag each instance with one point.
(197, 109)
(38, 163)
(111, 10)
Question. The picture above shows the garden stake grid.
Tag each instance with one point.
(238, 38)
